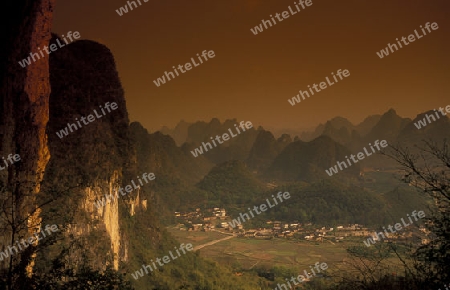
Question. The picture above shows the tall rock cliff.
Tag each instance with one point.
(24, 115)
(58, 179)
(96, 158)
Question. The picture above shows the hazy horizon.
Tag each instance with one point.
(252, 76)
(269, 127)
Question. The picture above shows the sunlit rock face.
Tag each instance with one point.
(96, 158)
(40, 99)
(24, 108)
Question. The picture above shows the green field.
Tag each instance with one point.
(247, 253)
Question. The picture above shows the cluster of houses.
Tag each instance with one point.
(217, 219)
(305, 231)
(199, 220)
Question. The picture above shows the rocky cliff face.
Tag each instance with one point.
(95, 159)
(26, 91)
(58, 179)
(24, 111)
(66, 174)
(108, 215)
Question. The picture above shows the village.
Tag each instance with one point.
(216, 219)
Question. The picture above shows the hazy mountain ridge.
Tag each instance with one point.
(159, 153)
(179, 133)
(307, 161)
(259, 149)
(367, 124)
(341, 124)
(284, 161)
(265, 149)
(436, 130)
(388, 127)
(237, 147)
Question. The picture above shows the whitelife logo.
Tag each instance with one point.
(411, 38)
(53, 48)
(284, 14)
(302, 278)
(199, 150)
(428, 117)
(262, 207)
(11, 160)
(64, 132)
(31, 240)
(124, 9)
(360, 155)
(398, 227)
(187, 66)
(323, 86)
(165, 259)
(128, 189)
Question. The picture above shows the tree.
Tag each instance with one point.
(428, 169)
(426, 266)
(19, 219)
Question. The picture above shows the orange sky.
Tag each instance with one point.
(252, 77)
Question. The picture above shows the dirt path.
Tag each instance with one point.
(213, 242)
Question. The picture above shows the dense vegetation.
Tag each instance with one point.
(377, 199)
(186, 272)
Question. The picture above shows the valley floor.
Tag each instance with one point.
(243, 254)
(276, 252)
